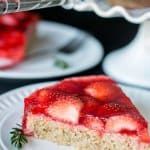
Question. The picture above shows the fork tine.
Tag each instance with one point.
(74, 44)
(77, 44)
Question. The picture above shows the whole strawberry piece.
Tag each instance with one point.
(66, 108)
(93, 123)
(104, 91)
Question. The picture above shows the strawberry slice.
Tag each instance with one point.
(66, 108)
(144, 136)
(43, 95)
(78, 84)
(121, 123)
(128, 124)
(8, 20)
(93, 123)
(103, 91)
(48, 95)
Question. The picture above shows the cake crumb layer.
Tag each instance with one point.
(80, 137)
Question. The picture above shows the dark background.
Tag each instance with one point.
(113, 33)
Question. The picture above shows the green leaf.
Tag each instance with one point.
(18, 139)
(61, 64)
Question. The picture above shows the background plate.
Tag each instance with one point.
(11, 111)
(50, 37)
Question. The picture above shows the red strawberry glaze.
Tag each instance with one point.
(10, 49)
(113, 114)
(17, 21)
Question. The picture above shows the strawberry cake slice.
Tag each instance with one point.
(88, 113)
(17, 31)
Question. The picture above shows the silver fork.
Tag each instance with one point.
(74, 44)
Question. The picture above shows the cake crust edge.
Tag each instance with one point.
(81, 138)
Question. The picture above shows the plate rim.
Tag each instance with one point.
(35, 86)
(12, 93)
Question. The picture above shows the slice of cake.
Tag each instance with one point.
(131, 3)
(88, 113)
(17, 31)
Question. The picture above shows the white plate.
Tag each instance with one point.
(50, 37)
(11, 111)
(103, 9)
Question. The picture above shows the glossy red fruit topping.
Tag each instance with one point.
(86, 79)
(90, 105)
(78, 84)
(121, 123)
(103, 91)
(94, 102)
(8, 20)
(69, 87)
(144, 136)
(12, 46)
(93, 123)
(128, 124)
(43, 95)
(22, 15)
(112, 108)
(66, 108)
(14, 31)
(20, 21)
